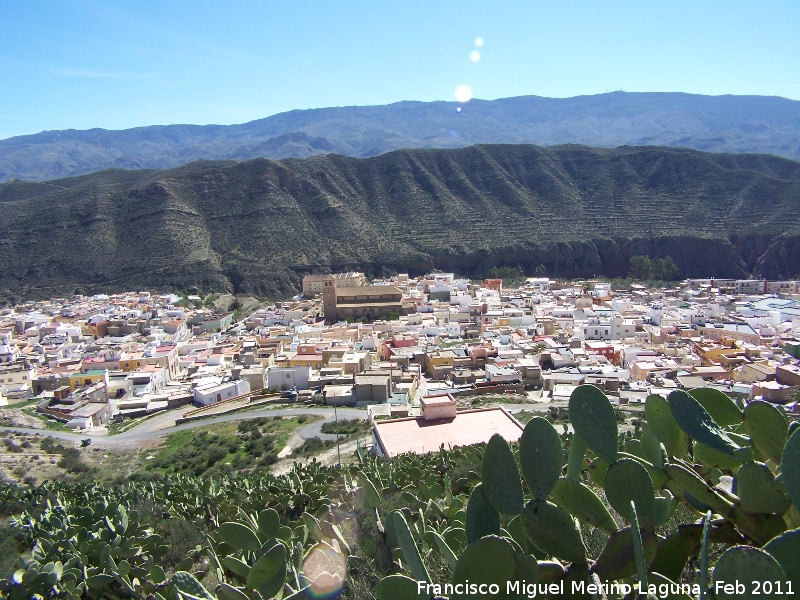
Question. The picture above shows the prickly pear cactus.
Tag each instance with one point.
(268, 574)
(751, 567)
(187, 586)
(501, 483)
(790, 468)
(698, 423)
(618, 558)
(399, 587)
(626, 481)
(553, 531)
(594, 419)
(740, 473)
(664, 427)
(409, 547)
(768, 429)
(583, 504)
(755, 486)
(541, 457)
(721, 408)
(490, 560)
(711, 457)
(482, 518)
(785, 548)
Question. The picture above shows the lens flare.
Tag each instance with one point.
(324, 570)
(479, 41)
(463, 93)
(339, 516)
(474, 56)
(458, 109)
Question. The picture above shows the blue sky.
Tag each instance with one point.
(115, 64)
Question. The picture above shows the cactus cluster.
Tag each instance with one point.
(525, 517)
(690, 446)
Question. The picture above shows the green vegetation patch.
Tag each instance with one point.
(346, 427)
(220, 448)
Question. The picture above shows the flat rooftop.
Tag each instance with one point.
(412, 434)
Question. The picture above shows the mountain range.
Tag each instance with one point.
(746, 124)
(259, 226)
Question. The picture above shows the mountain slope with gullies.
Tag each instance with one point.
(258, 226)
(746, 124)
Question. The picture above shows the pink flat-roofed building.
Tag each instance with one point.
(444, 426)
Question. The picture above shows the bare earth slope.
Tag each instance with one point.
(258, 226)
(747, 124)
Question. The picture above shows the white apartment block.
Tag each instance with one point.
(615, 328)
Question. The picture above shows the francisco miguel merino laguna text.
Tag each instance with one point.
(532, 590)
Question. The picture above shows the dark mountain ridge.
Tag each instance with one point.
(259, 226)
(746, 124)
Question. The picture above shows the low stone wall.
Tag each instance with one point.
(198, 416)
(516, 388)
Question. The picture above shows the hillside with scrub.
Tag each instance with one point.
(257, 227)
(703, 493)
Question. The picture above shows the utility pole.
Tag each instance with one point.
(336, 417)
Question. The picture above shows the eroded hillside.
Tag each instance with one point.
(259, 226)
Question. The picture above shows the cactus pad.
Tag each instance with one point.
(490, 560)
(746, 565)
(597, 471)
(663, 425)
(767, 427)
(756, 490)
(540, 457)
(501, 483)
(398, 587)
(187, 584)
(711, 457)
(553, 531)
(686, 484)
(593, 418)
(527, 568)
(672, 555)
(482, 518)
(239, 536)
(583, 504)
(627, 480)
(790, 468)
(617, 559)
(697, 423)
(372, 498)
(409, 547)
(665, 507)
(785, 548)
(269, 522)
(721, 408)
(517, 533)
(652, 450)
(269, 574)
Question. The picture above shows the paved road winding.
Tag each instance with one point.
(144, 431)
(154, 428)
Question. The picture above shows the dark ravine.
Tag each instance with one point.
(259, 226)
(747, 124)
